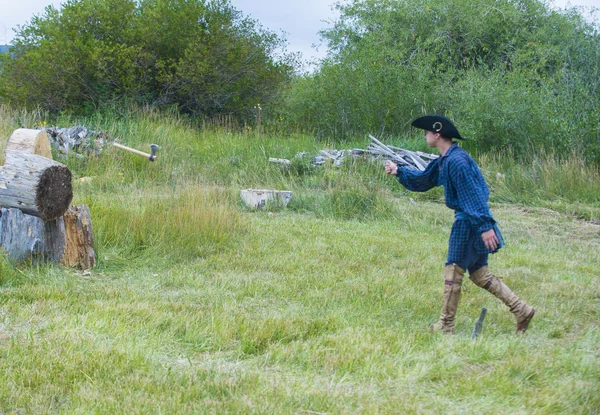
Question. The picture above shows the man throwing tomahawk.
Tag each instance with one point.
(474, 234)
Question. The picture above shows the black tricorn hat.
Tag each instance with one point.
(437, 124)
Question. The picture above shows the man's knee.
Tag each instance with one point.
(482, 277)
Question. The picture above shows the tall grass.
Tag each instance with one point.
(180, 223)
(8, 272)
(201, 305)
(565, 184)
(311, 315)
(189, 198)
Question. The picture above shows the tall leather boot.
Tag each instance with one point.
(453, 276)
(486, 280)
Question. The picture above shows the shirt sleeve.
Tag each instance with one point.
(417, 180)
(472, 194)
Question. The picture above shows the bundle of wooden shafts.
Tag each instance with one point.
(36, 220)
(400, 156)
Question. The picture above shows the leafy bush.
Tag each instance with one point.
(201, 56)
(514, 73)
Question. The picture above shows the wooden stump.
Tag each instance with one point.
(78, 238)
(35, 184)
(30, 141)
(68, 240)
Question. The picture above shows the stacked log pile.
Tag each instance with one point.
(36, 221)
(78, 139)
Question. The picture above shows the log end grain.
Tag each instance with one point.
(30, 141)
(54, 192)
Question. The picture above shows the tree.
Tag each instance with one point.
(512, 72)
(202, 56)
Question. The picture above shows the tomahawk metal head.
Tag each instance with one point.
(154, 147)
(479, 324)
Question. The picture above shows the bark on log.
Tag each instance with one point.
(68, 240)
(36, 185)
(28, 237)
(30, 141)
(79, 239)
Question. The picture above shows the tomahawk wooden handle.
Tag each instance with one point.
(133, 150)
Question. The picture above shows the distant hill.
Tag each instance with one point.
(4, 48)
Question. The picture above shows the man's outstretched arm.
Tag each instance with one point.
(413, 179)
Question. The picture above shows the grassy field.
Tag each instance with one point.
(200, 305)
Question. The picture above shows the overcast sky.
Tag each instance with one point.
(300, 19)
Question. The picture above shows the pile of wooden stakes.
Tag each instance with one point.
(400, 156)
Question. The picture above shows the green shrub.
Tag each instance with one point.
(515, 74)
(203, 57)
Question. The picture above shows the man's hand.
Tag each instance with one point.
(391, 167)
(490, 240)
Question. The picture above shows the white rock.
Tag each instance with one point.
(259, 198)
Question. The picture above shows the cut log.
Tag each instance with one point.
(28, 237)
(30, 141)
(68, 240)
(78, 238)
(35, 184)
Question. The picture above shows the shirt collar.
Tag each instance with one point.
(452, 147)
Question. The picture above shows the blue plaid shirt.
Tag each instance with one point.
(465, 191)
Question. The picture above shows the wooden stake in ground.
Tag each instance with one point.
(36, 185)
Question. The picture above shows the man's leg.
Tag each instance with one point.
(453, 276)
(486, 280)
